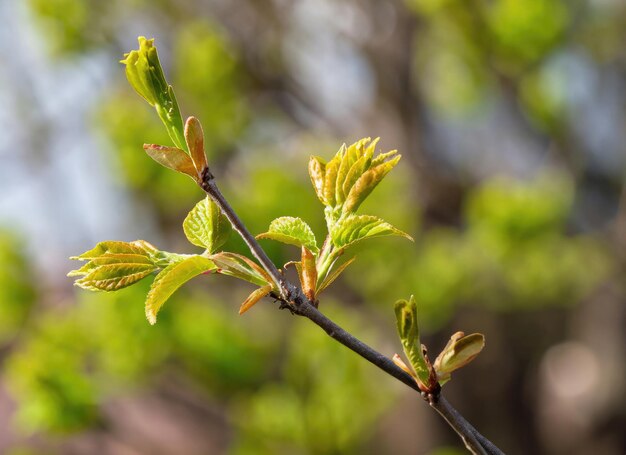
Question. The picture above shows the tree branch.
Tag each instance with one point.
(293, 297)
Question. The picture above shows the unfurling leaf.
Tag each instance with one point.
(241, 267)
(114, 276)
(206, 226)
(114, 265)
(145, 75)
(293, 231)
(254, 298)
(309, 274)
(350, 176)
(170, 279)
(194, 136)
(353, 228)
(349, 158)
(140, 247)
(172, 158)
(366, 183)
(328, 280)
(317, 171)
(330, 180)
(408, 329)
(459, 351)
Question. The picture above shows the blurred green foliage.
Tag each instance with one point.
(513, 253)
(312, 408)
(17, 294)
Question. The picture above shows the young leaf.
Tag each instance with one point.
(194, 136)
(328, 280)
(406, 317)
(309, 274)
(114, 276)
(293, 231)
(170, 279)
(381, 158)
(241, 267)
(317, 171)
(354, 228)
(349, 157)
(254, 298)
(108, 259)
(146, 76)
(357, 169)
(366, 183)
(459, 351)
(330, 180)
(172, 158)
(139, 247)
(206, 226)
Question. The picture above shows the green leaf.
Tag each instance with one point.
(354, 228)
(366, 183)
(253, 298)
(241, 267)
(206, 226)
(293, 231)
(459, 351)
(408, 329)
(172, 158)
(145, 75)
(170, 279)
(114, 276)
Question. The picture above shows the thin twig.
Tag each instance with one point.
(459, 424)
(293, 298)
(209, 186)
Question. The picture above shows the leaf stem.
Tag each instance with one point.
(294, 299)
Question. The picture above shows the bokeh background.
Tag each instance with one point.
(511, 118)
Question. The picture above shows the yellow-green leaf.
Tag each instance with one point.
(172, 158)
(317, 171)
(349, 157)
(330, 180)
(206, 226)
(380, 159)
(115, 247)
(366, 183)
(253, 298)
(354, 228)
(108, 259)
(293, 231)
(114, 276)
(170, 279)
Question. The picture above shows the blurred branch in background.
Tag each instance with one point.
(512, 116)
